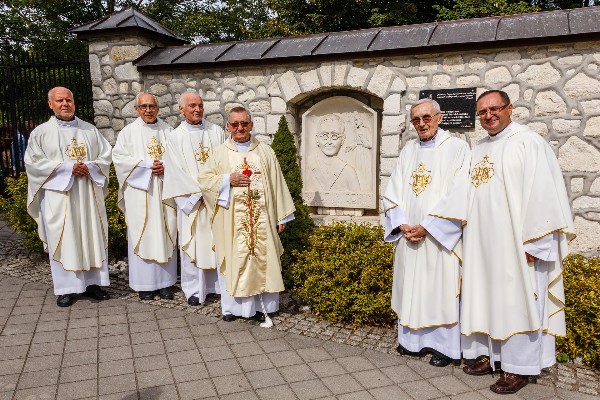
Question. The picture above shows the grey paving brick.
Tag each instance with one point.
(254, 363)
(128, 395)
(184, 358)
(145, 337)
(9, 367)
(146, 326)
(110, 308)
(112, 368)
(38, 378)
(180, 345)
(18, 329)
(49, 326)
(46, 349)
(148, 349)
(216, 353)
(474, 382)
(82, 333)
(13, 352)
(115, 353)
(22, 310)
(23, 319)
(78, 373)
(141, 316)
(231, 384)
(151, 363)
(223, 367)
(116, 329)
(42, 363)
(283, 358)
(297, 373)
(301, 342)
(265, 378)
(468, 396)
(313, 354)
(197, 389)
(77, 390)
(8, 383)
(112, 319)
(168, 323)
(372, 378)
(283, 392)
(203, 330)
(246, 349)
(159, 377)
(57, 314)
(44, 392)
(175, 333)
(238, 337)
(341, 384)
(191, 372)
(47, 337)
(449, 385)
(210, 341)
(355, 363)
(428, 371)
(308, 390)
(72, 346)
(400, 373)
(87, 322)
(327, 368)
(113, 341)
(15, 340)
(389, 392)
(249, 395)
(274, 345)
(421, 390)
(362, 395)
(116, 384)
(80, 358)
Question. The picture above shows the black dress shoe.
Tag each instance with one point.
(64, 300)
(193, 301)
(439, 361)
(403, 351)
(94, 292)
(146, 295)
(260, 317)
(166, 294)
(229, 317)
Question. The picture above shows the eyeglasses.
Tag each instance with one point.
(235, 125)
(145, 107)
(330, 136)
(492, 110)
(425, 118)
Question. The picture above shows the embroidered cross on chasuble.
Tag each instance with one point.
(420, 178)
(155, 149)
(251, 220)
(201, 153)
(76, 150)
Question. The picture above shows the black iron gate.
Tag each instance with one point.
(24, 84)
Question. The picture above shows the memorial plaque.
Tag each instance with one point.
(458, 106)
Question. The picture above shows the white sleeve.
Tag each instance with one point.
(394, 217)
(141, 176)
(62, 178)
(544, 248)
(187, 203)
(286, 219)
(95, 173)
(224, 192)
(446, 231)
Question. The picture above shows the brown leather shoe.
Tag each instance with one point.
(479, 367)
(509, 383)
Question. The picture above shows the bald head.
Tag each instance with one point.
(60, 100)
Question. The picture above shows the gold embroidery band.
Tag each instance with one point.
(420, 178)
(250, 222)
(483, 172)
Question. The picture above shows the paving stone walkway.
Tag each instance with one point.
(127, 349)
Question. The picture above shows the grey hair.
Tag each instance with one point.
(239, 109)
(436, 105)
(51, 91)
(137, 98)
(181, 101)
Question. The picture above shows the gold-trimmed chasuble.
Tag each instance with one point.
(76, 150)
(482, 172)
(420, 178)
(155, 149)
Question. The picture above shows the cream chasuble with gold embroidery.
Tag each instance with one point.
(245, 234)
(71, 215)
(188, 152)
(152, 225)
(517, 195)
(426, 275)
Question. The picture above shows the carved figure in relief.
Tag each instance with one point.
(329, 172)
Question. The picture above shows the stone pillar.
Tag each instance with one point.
(115, 80)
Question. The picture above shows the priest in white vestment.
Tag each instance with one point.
(67, 162)
(151, 224)
(249, 203)
(426, 286)
(518, 228)
(187, 152)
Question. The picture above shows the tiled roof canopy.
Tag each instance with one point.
(493, 32)
(128, 20)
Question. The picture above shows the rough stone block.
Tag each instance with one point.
(357, 77)
(591, 106)
(574, 59)
(440, 81)
(392, 104)
(260, 107)
(592, 127)
(247, 96)
(127, 53)
(95, 72)
(513, 92)
(289, 85)
(453, 64)
(310, 80)
(103, 107)
(582, 86)
(110, 86)
(566, 126)
(477, 63)
(578, 156)
(325, 73)
(416, 82)
(259, 125)
(212, 107)
(387, 165)
(540, 75)
(380, 81)
(577, 185)
(339, 74)
(539, 127)
(398, 85)
(390, 145)
(549, 103)
(588, 233)
(428, 66)
(498, 75)
(468, 80)
(97, 47)
(391, 124)
(278, 105)
(158, 89)
(507, 56)
(127, 71)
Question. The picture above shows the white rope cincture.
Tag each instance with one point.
(268, 321)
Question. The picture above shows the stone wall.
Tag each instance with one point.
(555, 90)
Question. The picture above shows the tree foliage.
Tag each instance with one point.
(463, 9)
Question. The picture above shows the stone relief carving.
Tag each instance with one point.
(339, 153)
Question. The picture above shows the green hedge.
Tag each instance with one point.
(582, 292)
(13, 206)
(345, 275)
